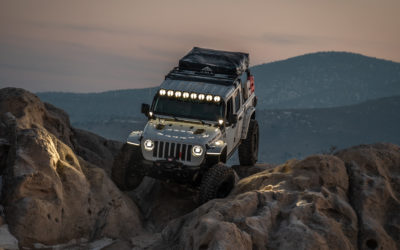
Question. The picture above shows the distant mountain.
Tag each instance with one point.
(325, 79)
(100, 107)
(295, 133)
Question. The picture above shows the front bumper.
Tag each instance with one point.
(171, 171)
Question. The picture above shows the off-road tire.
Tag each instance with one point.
(123, 171)
(248, 149)
(217, 182)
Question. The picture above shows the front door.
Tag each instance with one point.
(233, 130)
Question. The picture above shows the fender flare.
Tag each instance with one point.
(250, 113)
(134, 138)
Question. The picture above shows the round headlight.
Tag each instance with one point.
(197, 151)
(148, 145)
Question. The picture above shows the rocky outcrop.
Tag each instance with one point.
(347, 201)
(55, 185)
(56, 191)
(374, 192)
(298, 205)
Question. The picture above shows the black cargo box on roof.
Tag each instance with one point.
(219, 62)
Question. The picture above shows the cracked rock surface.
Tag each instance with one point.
(56, 191)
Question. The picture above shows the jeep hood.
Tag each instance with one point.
(180, 132)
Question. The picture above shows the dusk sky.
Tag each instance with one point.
(99, 45)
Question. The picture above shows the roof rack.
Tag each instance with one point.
(201, 76)
(214, 66)
(216, 61)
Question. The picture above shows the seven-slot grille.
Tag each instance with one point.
(164, 150)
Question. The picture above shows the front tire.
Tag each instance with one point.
(248, 149)
(124, 171)
(217, 182)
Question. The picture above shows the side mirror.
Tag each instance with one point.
(145, 109)
(233, 119)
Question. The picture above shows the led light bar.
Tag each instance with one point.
(193, 96)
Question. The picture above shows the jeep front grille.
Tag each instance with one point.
(164, 150)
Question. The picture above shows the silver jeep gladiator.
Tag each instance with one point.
(202, 112)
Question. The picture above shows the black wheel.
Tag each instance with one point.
(248, 149)
(217, 182)
(122, 172)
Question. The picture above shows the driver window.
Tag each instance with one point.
(229, 108)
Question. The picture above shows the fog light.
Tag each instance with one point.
(197, 151)
(149, 145)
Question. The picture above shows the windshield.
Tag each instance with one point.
(188, 108)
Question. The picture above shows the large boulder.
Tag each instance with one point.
(298, 205)
(347, 201)
(374, 192)
(52, 194)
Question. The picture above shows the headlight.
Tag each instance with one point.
(148, 145)
(197, 151)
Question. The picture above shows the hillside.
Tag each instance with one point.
(325, 79)
(296, 133)
(100, 106)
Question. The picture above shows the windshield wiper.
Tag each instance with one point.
(202, 122)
